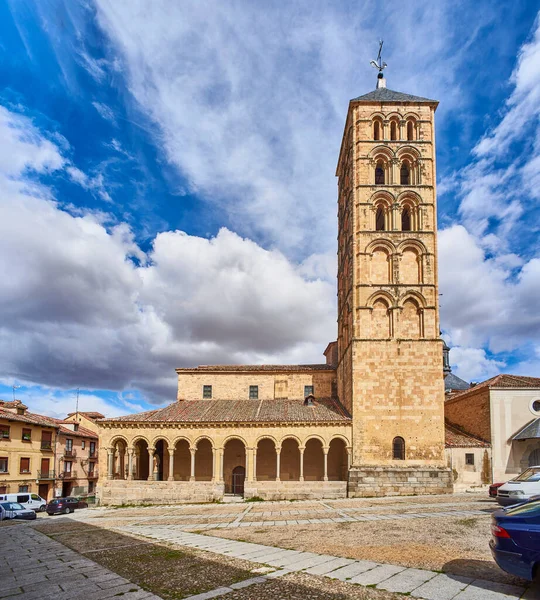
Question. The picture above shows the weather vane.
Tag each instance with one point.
(379, 64)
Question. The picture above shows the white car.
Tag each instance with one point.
(30, 501)
(521, 488)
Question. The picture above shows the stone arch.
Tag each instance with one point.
(381, 319)
(203, 437)
(409, 152)
(337, 459)
(381, 294)
(159, 438)
(380, 242)
(266, 458)
(182, 447)
(290, 436)
(381, 152)
(417, 296)
(204, 459)
(234, 459)
(411, 319)
(398, 448)
(118, 438)
(161, 458)
(410, 243)
(314, 459)
(380, 264)
(394, 127)
(343, 438)
(139, 438)
(118, 447)
(142, 467)
(180, 438)
(235, 436)
(410, 265)
(377, 128)
(290, 459)
(315, 436)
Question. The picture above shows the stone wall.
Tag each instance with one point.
(471, 412)
(389, 481)
(296, 490)
(235, 385)
(117, 492)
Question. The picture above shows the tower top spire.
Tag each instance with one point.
(380, 65)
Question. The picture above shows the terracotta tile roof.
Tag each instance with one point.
(88, 414)
(501, 381)
(264, 368)
(243, 411)
(27, 418)
(455, 437)
(12, 404)
(81, 431)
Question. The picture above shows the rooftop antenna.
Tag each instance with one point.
(15, 387)
(77, 406)
(380, 65)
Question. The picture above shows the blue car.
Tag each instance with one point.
(515, 541)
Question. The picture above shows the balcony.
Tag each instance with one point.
(45, 474)
(70, 453)
(67, 475)
(46, 445)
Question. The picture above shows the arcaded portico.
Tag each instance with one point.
(303, 453)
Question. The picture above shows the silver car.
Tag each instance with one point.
(14, 510)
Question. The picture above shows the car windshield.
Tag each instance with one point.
(12, 506)
(54, 501)
(532, 474)
(530, 508)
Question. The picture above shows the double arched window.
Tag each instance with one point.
(379, 173)
(377, 129)
(380, 224)
(410, 130)
(394, 129)
(406, 219)
(398, 448)
(405, 173)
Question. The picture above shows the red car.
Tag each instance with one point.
(493, 489)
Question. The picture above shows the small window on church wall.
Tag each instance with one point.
(253, 392)
(393, 130)
(379, 173)
(398, 448)
(379, 219)
(410, 130)
(308, 390)
(405, 174)
(207, 391)
(376, 130)
(406, 219)
(469, 459)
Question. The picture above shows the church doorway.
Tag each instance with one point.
(234, 458)
(238, 478)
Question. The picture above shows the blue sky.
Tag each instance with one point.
(169, 196)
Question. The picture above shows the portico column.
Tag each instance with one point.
(130, 464)
(151, 452)
(214, 464)
(171, 465)
(122, 463)
(254, 464)
(325, 451)
(249, 463)
(278, 464)
(192, 475)
(110, 458)
(221, 466)
(137, 462)
(301, 463)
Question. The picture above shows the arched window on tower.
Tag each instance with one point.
(376, 130)
(393, 131)
(406, 219)
(405, 173)
(410, 130)
(398, 448)
(379, 219)
(379, 173)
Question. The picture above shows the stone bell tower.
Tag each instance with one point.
(389, 350)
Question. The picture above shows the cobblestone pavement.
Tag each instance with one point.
(33, 566)
(417, 583)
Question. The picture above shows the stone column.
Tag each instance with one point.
(221, 465)
(325, 450)
(301, 464)
(249, 454)
(192, 475)
(122, 463)
(110, 459)
(254, 464)
(171, 465)
(130, 464)
(137, 463)
(151, 452)
(215, 477)
(278, 464)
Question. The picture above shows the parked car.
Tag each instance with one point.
(14, 510)
(32, 501)
(65, 505)
(521, 488)
(493, 489)
(515, 541)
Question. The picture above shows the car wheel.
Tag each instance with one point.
(42, 508)
(67, 511)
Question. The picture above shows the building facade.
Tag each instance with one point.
(27, 451)
(504, 411)
(368, 422)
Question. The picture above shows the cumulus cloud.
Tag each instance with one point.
(83, 305)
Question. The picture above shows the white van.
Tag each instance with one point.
(521, 488)
(32, 501)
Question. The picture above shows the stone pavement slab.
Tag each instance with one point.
(442, 587)
(407, 580)
(377, 575)
(350, 571)
(327, 567)
(489, 590)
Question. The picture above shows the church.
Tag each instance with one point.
(369, 420)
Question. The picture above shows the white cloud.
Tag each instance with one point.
(78, 312)
(105, 111)
(472, 364)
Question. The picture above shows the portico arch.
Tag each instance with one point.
(234, 456)
(266, 457)
(337, 460)
(290, 460)
(314, 460)
(142, 459)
